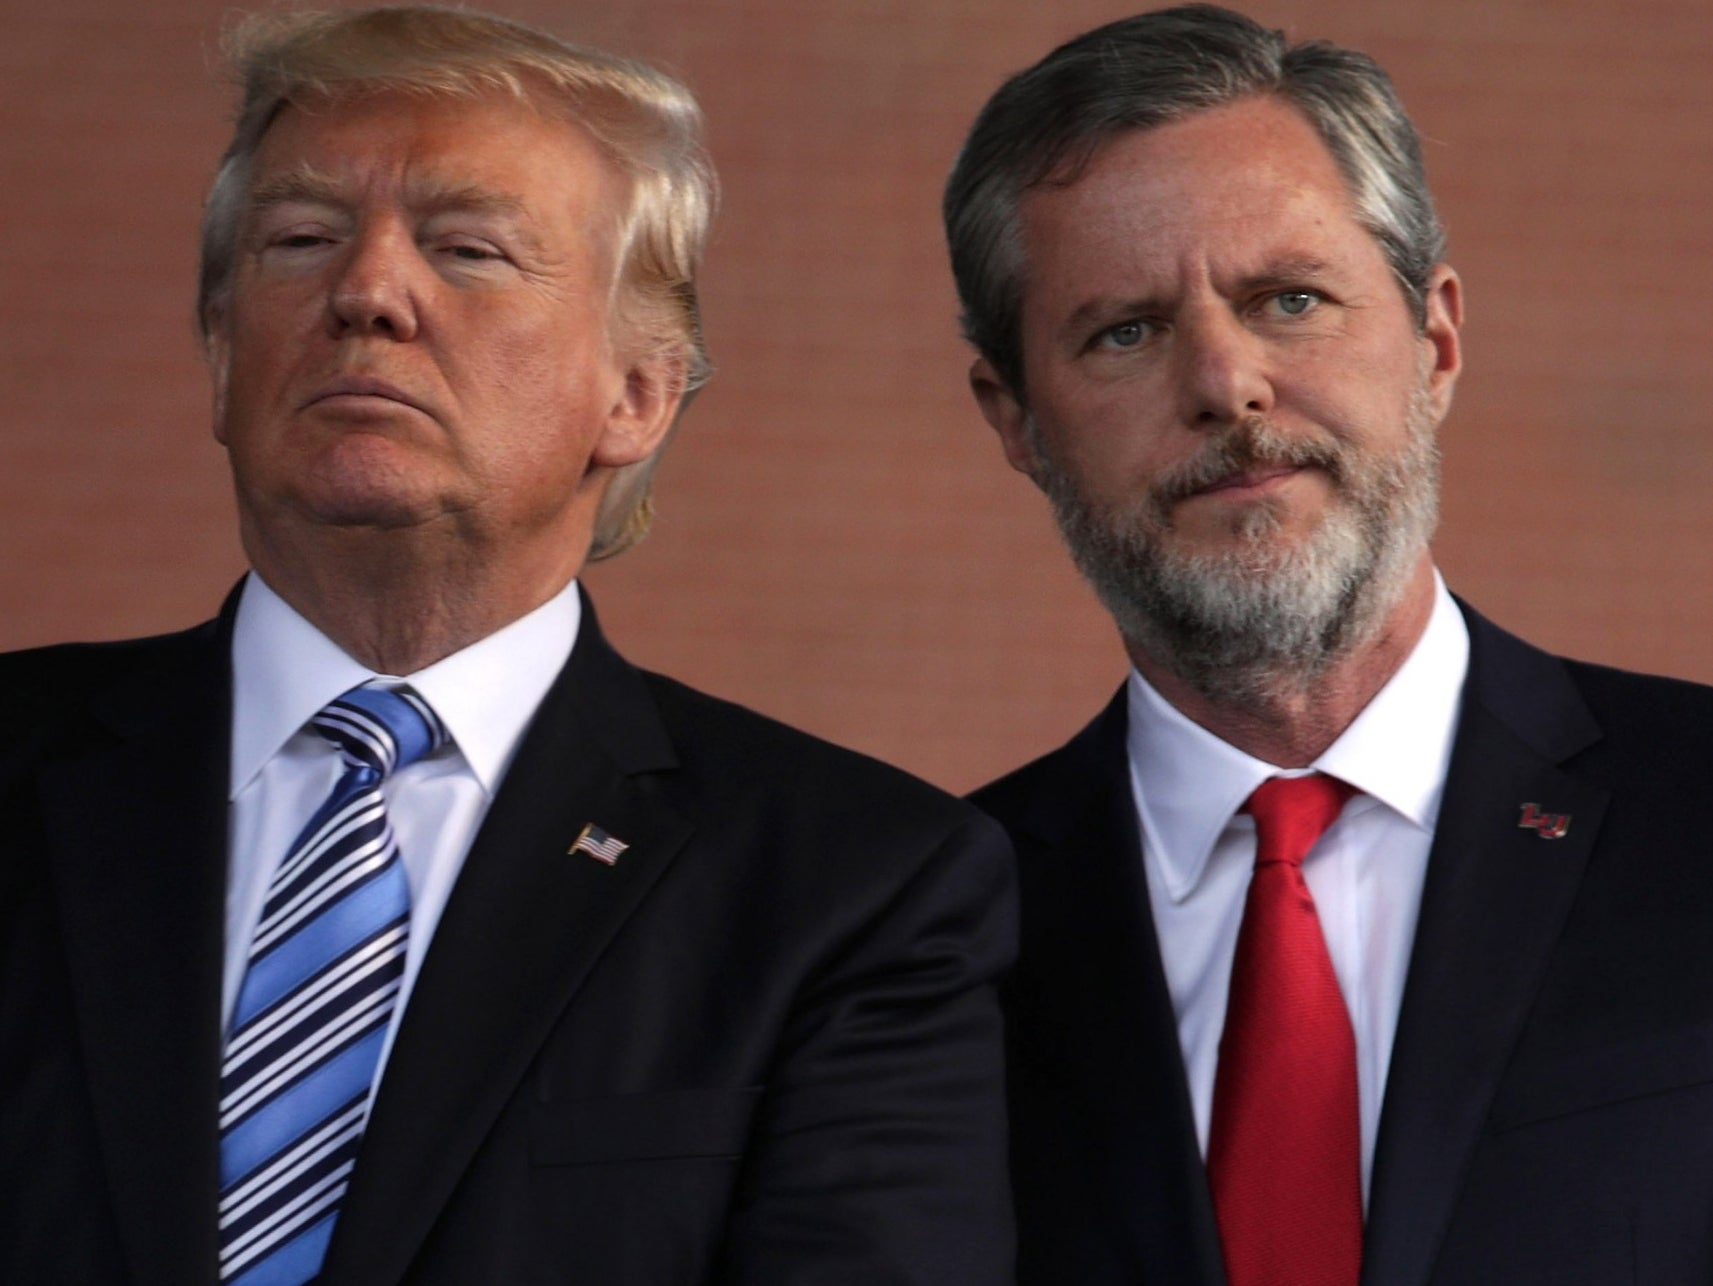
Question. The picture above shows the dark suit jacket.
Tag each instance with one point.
(762, 1047)
(1549, 1108)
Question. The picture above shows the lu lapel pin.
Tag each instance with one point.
(1546, 825)
(598, 844)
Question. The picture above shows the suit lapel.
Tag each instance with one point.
(137, 824)
(1093, 995)
(1496, 897)
(525, 923)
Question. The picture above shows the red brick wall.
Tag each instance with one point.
(840, 543)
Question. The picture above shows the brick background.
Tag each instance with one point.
(840, 543)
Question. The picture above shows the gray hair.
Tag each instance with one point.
(1045, 124)
(645, 123)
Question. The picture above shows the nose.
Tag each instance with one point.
(373, 290)
(1222, 370)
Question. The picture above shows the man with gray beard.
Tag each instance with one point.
(1362, 941)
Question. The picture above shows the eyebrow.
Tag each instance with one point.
(304, 184)
(1285, 272)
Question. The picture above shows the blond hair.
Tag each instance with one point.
(646, 123)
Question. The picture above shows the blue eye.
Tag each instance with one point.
(1294, 303)
(1124, 335)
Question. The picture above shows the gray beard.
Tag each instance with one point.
(1257, 620)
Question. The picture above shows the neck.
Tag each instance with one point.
(1289, 723)
(396, 606)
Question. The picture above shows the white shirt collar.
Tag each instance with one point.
(1188, 783)
(284, 670)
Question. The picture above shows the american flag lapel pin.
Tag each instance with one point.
(598, 844)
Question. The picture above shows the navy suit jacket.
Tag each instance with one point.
(762, 1047)
(1549, 1107)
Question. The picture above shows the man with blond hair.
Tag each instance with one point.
(390, 928)
(1362, 942)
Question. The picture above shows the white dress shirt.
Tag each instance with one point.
(1365, 873)
(284, 671)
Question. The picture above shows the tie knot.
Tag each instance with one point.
(1291, 813)
(381, 728)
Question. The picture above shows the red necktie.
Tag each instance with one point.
(1284, 1152)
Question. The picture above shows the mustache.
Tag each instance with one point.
(1248, 444)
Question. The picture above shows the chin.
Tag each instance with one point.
(375, 505)
(368, 484)
(377, 515)
(1261, 536)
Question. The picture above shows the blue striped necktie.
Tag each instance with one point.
(317, 997)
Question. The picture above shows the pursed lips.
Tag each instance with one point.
(356, 390)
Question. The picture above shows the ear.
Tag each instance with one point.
(643, 412)
(1002, 408)
(1443, 319)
